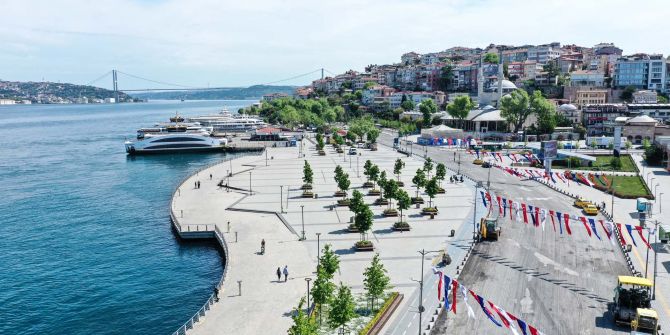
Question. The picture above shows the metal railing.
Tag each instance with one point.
(218, 234)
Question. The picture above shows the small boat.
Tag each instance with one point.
(177, 118)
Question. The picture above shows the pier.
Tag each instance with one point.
(263, 201)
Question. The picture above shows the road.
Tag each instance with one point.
(560, 284)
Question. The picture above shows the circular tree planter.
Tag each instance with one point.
(390, 212)
(418, 200)
(364, 246)
(343, 202)
(374, 192)
(307, 186)
(308, 194)
(429, 211)
(401, 226)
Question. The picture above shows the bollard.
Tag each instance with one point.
(182, 212)
(235, 237)
(239, 287)
(228, 227)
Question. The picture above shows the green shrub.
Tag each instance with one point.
(378, 315)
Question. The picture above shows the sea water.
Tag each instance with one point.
(85, 239)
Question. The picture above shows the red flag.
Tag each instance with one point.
(454, 290)
(602, 224)
(566, 218)
(639, 231)
(439, 287)
(502, 317)
(499, 204)
(537, 216)
(511, 215)
(525, 213)
(533, 331)
(621, 238)
(551, 213)
(488, 197)
(586, 225)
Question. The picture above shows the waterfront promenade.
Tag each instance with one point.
(265, 303)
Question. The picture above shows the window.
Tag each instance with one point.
(179, 139)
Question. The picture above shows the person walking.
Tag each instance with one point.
(285, 273)
(262, 246)
(210, 176)
(216, 293)
(279, 274)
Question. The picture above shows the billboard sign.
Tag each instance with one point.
(549, 149)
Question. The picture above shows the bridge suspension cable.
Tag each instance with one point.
(156, 81)
(99, 78)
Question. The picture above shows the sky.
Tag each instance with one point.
(217, 43)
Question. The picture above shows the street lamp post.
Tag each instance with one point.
(655, 189)
(474, 215)
(231, 167)
(423, 253)
(281, 198)
(250, 191)
(358, 168)
(660, 203)
(308, 302)
(302, 212)
(318, 251)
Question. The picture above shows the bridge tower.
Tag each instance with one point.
(115, 85)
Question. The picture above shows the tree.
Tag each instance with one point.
(307, 174)
(518, 106)
(505, 70)
(369, 84)
(372, 135)
(627, 94)
(615, 163)
(460, 108)
(446, 77)
(356, 203)
(419, 180)
(546, 115)
(440, 172)
(491, 58)
(551, 68)
(428, 166)
(302, 323)
(407, 105)
(329, 261)
(374, 175)
(403, 201)
(390, 191)
(342, 180)
(382, 184)
(323, 289)
(431, 190)
(427, 108)
(375, 280)
(662, 99)
(628, 145)
(397, 167)
(342, 309)
(367, 167)
(363, 220)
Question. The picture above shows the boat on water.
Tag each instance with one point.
(226, 122)
(175, 142)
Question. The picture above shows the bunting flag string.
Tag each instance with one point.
(439, 286)
(630, 232)
(553, 223)
(588, 230)
(592, 223)
(608, 230)
(566, 218)
(493, 312)
(525, 213)
(639, 231)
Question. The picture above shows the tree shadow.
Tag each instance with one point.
(383, 231)
(340, 232)
(349, 251)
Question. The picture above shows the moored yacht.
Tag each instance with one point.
(173, 142)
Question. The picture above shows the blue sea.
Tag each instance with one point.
(85, 239)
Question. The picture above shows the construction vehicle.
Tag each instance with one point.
(645, 322)
(489, 228)
(630, 295)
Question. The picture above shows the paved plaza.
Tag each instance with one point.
(275, 185)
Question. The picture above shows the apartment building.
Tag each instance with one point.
(642, 71)
(587, 78)
(600, 119)
(542, 54)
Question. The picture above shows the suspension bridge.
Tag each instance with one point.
(114, 74)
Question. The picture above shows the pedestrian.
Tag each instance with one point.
(279, 274)
(285, 273)
(196, 184)
(210, 176)
(216, 293)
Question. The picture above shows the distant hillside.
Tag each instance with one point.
(232, 93)
(48, 92)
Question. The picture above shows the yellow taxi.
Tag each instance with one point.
(478, 161)
(581, 202)
(590, 209)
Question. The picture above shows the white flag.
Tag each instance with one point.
(464, 294)
(543, 217)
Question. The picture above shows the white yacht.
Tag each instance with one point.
(225, 122)
(173, 142)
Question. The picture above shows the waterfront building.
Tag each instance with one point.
(273, 96)
(7, 101)
(110, 100)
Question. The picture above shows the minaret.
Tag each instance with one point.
(480, 81)
(501, 77)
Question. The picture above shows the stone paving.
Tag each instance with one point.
(267, 304)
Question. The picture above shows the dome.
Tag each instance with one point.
(567, 107)
(506, 85)
(642, 119)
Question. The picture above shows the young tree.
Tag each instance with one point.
(302, 323)
(322, 291)
(374, 175)
(419, 180)
(628, 145)
(403, 201)
(407, 105)
(329, 261)
(372, 134)
(363, 221)
(375, 280)
(428, 166)
(431, 190)
(440, 172)
(307, 174)
(397, 167)
(367, 167)
(460, 108)
(342, 309)
(342, 180)
(390, 191)
(356, 203)
(382, 184)
(627, 94)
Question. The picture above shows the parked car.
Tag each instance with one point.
(478, 161)
(486, 165)
(352, 151)
(581, 202)
(590, 209)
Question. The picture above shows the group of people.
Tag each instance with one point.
(197, 184)
(285, 272)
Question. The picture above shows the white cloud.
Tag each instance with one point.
(246, 42)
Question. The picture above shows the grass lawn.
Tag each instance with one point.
(629, 186)
(602, 163)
